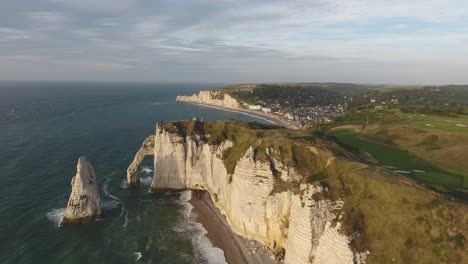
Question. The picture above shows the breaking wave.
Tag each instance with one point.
(146, 170)
(56, 215)
(205, 252)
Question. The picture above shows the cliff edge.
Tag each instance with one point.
(301, 196)
(84, 204)
(256, 186)
(210, 97)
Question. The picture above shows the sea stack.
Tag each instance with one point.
(84, 204)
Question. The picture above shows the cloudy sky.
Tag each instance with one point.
(232, 41)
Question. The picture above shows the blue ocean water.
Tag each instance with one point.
(46, 127)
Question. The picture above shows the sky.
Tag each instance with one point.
(235, 41)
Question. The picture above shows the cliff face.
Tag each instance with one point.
(257, 198)
(211, 97)
(84, 203)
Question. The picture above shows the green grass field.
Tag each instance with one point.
(402, 160)
(446, 123)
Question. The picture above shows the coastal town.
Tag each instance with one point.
(304, 115)
(302, 106)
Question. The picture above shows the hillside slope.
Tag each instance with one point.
(440, 142)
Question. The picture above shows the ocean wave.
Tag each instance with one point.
(205, 252)
(148, 244)
(106, 191)
(109, 205)
(122, 211)
(402, 171)
(125, 224)
(56, 215)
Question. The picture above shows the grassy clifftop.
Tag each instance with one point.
(290, 147)
(395, 219)
(431, 147)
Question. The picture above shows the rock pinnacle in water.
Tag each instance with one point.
(84, 204)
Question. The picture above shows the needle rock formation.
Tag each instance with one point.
(84, 204)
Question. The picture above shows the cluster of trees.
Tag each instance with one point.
(290, 95)
(453, 96)
(433, 110)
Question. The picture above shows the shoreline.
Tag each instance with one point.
(268, 117)
(236, 248)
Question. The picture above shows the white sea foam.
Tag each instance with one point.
(125, 224)
(402, 171)
(138, 255)
(205, 252)
(148, 244)
(146, 181)
(146, 170)
(106, 191)
(56, 215)
(124, 184)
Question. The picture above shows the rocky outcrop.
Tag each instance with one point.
(146, 148)
(84, 204)
(211, 97)
(265, 201)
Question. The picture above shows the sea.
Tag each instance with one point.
(46, 126)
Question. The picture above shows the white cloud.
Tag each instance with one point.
(287, 38)
(7, 34)
(176, 48)
(48, 20)
(48, 17)
(98, 5)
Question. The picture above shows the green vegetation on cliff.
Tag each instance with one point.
(285, 145)
(392, 217)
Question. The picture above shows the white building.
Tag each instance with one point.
(266, 110)
(255, 107)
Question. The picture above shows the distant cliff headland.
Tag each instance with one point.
(221, 98)
(303, 105)
(301, 195)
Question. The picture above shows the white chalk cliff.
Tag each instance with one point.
(84, 203)
(289, 221)
(210, 97)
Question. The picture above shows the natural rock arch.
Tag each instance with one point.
(146, 149)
